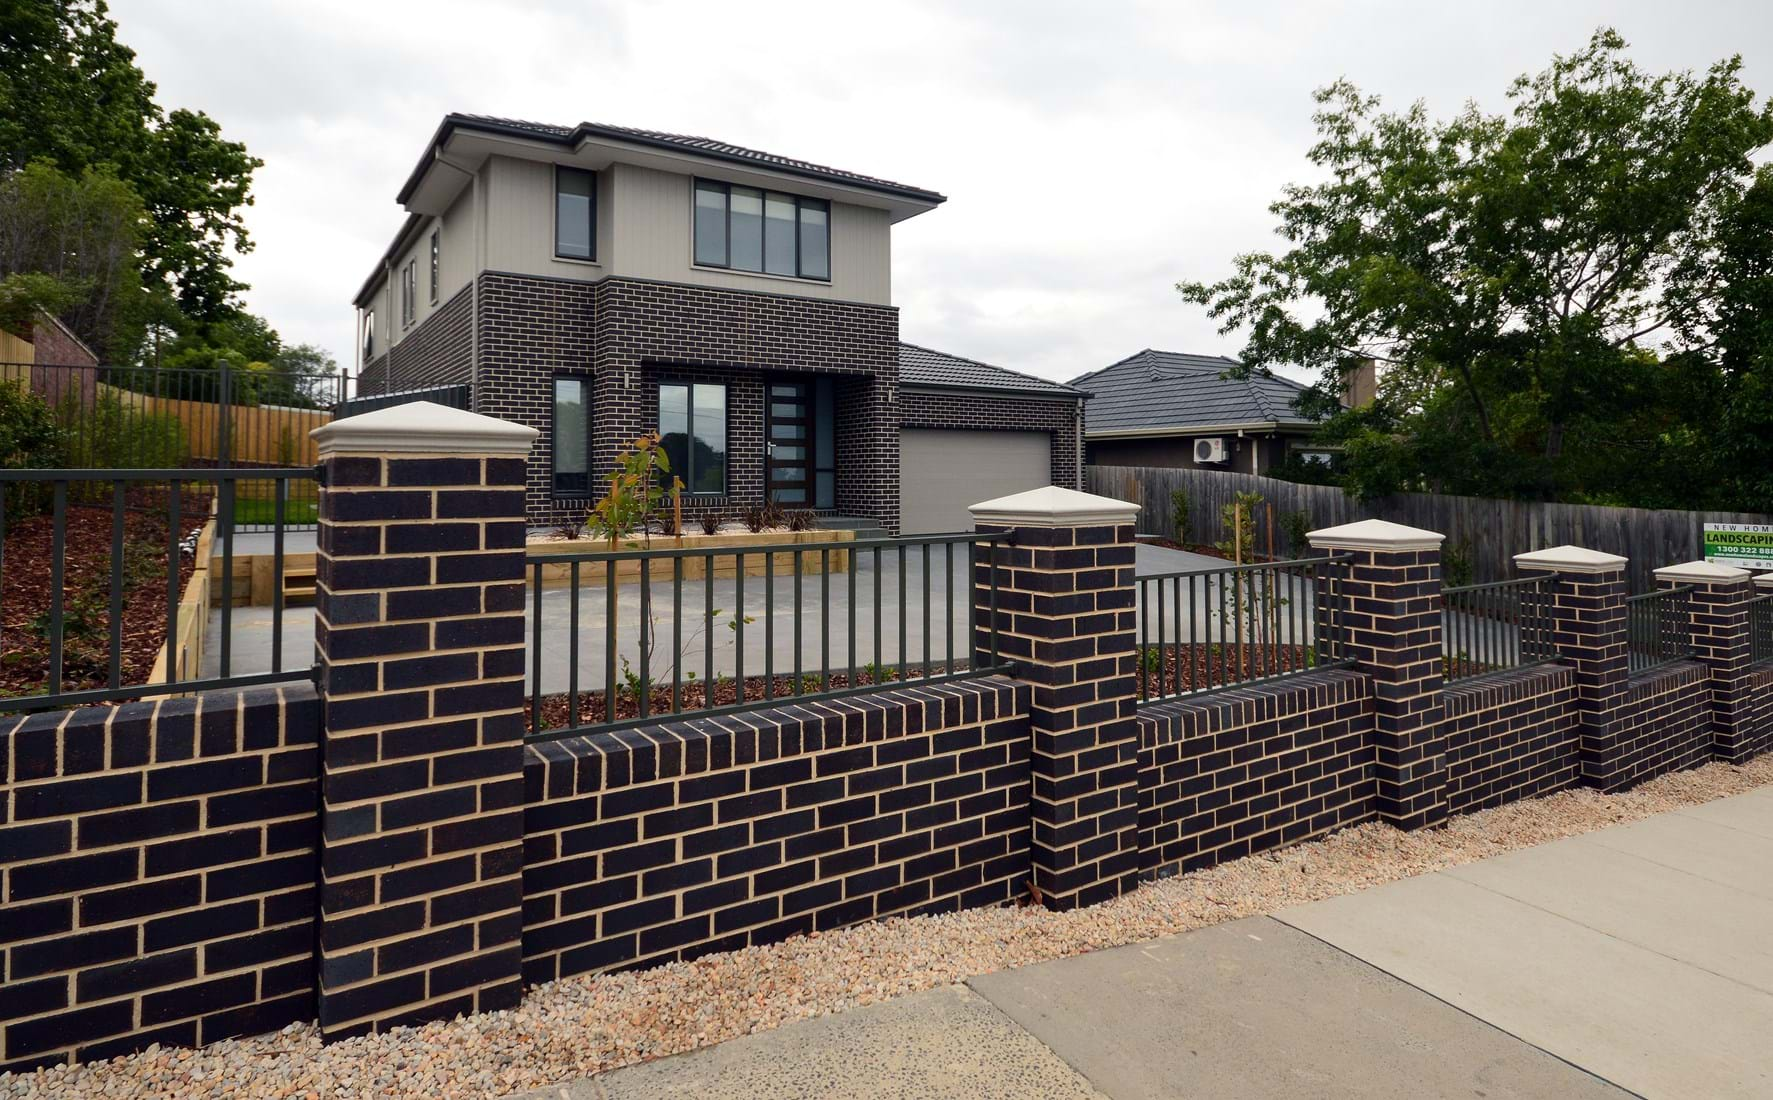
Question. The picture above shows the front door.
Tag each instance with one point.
(787, 434)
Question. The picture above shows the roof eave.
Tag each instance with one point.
(452, 122)
(1199, 429)
(1014, 391)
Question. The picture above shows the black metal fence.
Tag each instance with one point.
(1760, 628)
(1496, 626)
(96, 582)
(1658, 627)
(1209, 628)
(456, 397)
(627, 636)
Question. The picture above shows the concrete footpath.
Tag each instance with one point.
(1634, 961)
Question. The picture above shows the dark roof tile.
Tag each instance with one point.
(920, 366)
(1154, 390)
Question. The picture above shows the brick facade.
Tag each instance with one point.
(157, 870)
(1666, 726)
(439, 352)
(716, 834)
(971, 411)
(1253, 768)
(511, 334)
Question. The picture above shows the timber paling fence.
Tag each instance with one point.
(1487, 532)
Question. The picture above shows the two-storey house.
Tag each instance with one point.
(600, 282)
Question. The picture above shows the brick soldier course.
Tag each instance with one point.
(1390, 627)
(420, 633)
(1065, 615)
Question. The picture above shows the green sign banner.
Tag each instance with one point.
(1744, 545)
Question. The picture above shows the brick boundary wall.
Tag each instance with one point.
(672, 841)
(1252, 769)
(1760, 690)
(1510, 735)
(1666, 724)
(976, 412)
(157, 864)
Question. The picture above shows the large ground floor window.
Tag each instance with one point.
(692, 429)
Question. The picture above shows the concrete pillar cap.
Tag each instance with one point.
(1764, 580)
(1571, 559)
(1700, 572)
(1054, 507)
(1375, 534)
(423, 426)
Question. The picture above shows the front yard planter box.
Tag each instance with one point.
(725, 562)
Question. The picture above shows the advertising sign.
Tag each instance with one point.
(1743, 545)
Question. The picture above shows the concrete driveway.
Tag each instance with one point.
(1633, 961)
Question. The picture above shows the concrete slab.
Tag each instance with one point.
(1711, 925)
(1646, 1022)
(947, 1042)
(1716, 853)
(1749, 813)
(1256, 1009)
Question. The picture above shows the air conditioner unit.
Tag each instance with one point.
(1210, 449)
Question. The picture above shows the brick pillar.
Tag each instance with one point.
(1390, 627)
(1065, 616)
(419, 627)
(1717, 628)
(1585, 614)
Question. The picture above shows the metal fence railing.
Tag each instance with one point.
(1658, 627)
(99, 595)
(1210, 628)
(1760, 628)
(1496, 626)
(644, 634)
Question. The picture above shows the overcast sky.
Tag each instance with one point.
(1093, 153)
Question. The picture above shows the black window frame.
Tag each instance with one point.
(369, 334)
(436, 262)
(554, 487)
(591, 216)
(689, 412)
(801, 202)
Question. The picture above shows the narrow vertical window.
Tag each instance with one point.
(710, 223)
(409, 292)
(778, 234)
(436, 261)
(369, 334)
(747, 241)
(815, 239)
(575, 194)
(572, 437)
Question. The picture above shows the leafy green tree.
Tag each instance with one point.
(71, 93)
(1516, 275)
(68, 244)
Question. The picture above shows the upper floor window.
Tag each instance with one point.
(409, 292)
(575, 217)
(746, 229)
(436, 261)
(369, 334)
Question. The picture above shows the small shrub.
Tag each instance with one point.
(30, 439)
(801, 520)
(1179, 506)
(1456, 564)
(571, 529)
(763, 517)
(711, 521)
(1152, 659)
(1298, 528)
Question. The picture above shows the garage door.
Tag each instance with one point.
(942, 473)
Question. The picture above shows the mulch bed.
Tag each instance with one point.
(86, 592)
(1193, 667)
(556, 711)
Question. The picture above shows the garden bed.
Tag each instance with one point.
(725, 547)
(1185, 668)
(86, 593)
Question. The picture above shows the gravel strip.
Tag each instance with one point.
(580, 1026)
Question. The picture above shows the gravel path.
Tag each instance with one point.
(580, 1026)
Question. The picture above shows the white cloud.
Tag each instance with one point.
(1093, 154)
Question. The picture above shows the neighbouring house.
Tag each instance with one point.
(1165, 408)
(48, 359)
(600, 282)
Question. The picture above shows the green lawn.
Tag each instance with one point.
(258, 511)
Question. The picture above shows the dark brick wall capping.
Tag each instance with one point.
(1510, 735)
(1254, 768)
(673, 841)
(158, 866)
